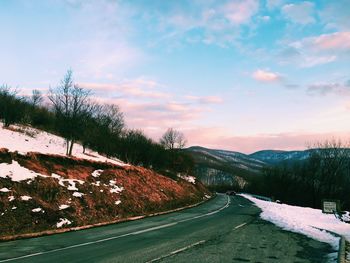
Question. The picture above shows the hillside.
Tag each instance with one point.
(41, 189)
(275, 157)
(224, 168)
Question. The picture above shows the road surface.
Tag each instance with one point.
(224, 229)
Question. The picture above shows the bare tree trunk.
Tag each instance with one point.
(67, 146)
(71, 147)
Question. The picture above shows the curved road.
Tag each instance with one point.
(224, 229)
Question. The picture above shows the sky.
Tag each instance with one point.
(235, 75)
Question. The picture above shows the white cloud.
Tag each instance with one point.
(266, 76)
(318, 50)
(209, 22)
(241, 12)
(302, 13)
(312, 61)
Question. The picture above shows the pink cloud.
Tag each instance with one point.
(155, 117)
(266, 76)
(338, 40)
(206, 99)
(240, 12)
(322, 49)
(136, 88)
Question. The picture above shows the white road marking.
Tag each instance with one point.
(239, 226)
(153, 228)
(210, 213)
(116, 237)
(176, 251)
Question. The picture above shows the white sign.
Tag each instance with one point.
(329, 207)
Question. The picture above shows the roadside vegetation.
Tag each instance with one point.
(325, 174)
(71, 112)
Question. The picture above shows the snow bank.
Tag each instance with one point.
(63, 221)
(308, 221)
(34, 140)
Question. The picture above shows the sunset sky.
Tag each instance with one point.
(236, 75)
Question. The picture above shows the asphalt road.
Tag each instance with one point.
(225, 229)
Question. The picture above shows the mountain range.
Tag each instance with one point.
(234, 169)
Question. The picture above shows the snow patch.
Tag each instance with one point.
(308, 221)
(14, 208)
(4, 189)
(25, 198)
(188, 178)
(62, 222)
(62, 207)
(11, 198)
(346, 217)
(78, 194)
(17, 172)
(117, 202)
(97, 183)
(97, 173)
(71, 186)
(115, 188)
(71, 182)
(37, 210)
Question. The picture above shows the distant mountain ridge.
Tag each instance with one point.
(277, 156)
(216, 167)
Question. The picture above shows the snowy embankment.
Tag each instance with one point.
(308, 221)
(26, 139)
(39, 184)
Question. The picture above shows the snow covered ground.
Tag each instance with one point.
(188, 178)
(34, 140)
(308, 221)
(18, 173)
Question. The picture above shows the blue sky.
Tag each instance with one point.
(238, 75)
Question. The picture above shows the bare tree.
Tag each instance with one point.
(36, 99)
(110, 116)
(332, 158)
(70, 104)
(173, 139)
(12, 107)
